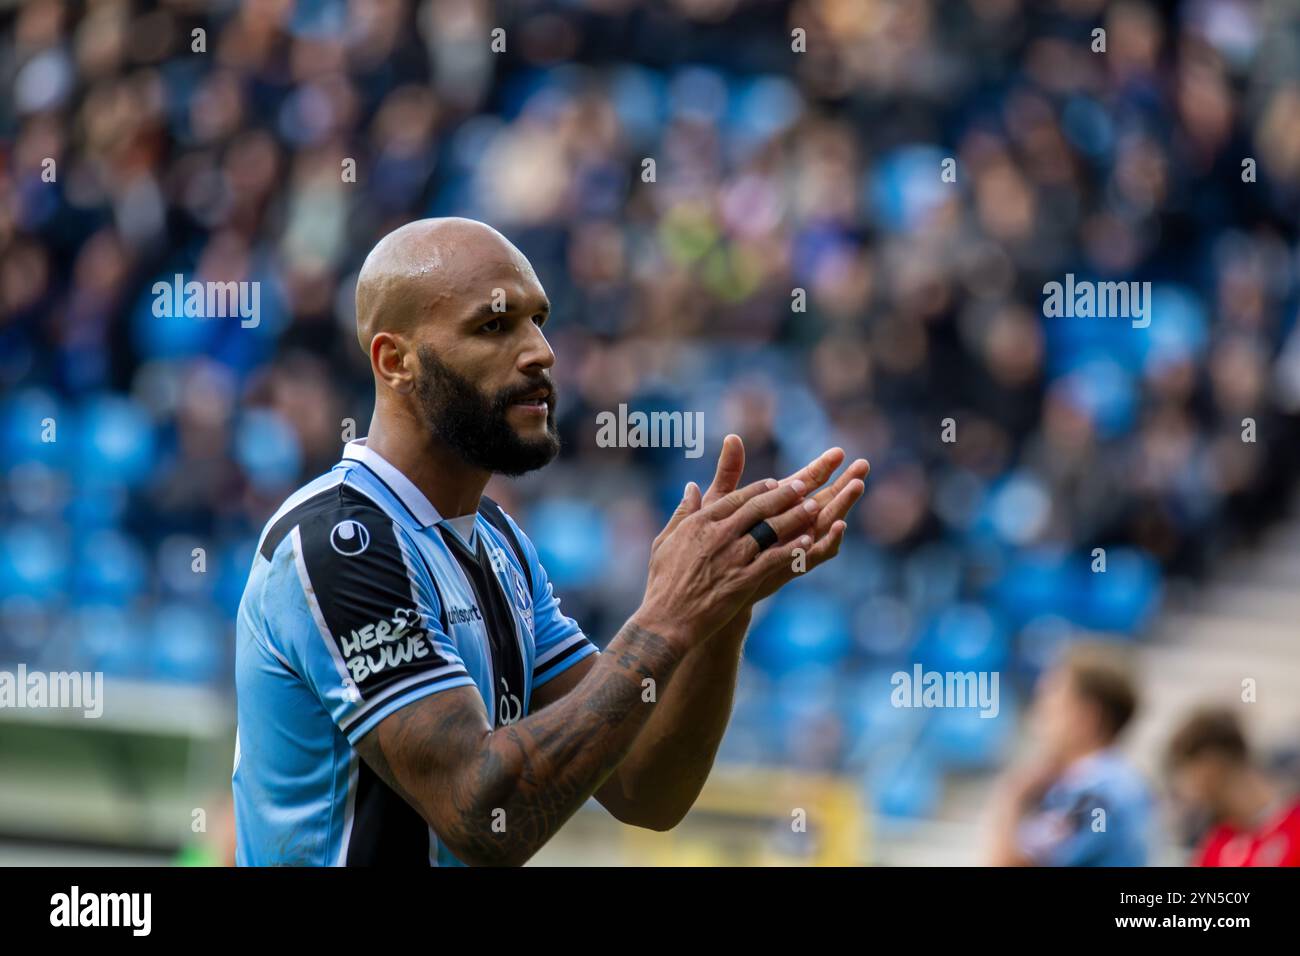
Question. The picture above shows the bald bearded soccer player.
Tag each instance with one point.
(409, 691)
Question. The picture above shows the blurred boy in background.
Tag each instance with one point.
(1253, 822)
(1079, 803)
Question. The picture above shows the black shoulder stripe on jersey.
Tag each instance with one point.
(363, 588)
(280, 530)
(495, 515)
(362, 714)
(564, 655)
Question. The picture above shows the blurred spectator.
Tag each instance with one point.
(1079, 803)
(1253, 821)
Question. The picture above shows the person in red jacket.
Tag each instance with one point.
(1254, 822)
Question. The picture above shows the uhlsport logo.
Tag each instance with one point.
(349, 538)
(463, 615)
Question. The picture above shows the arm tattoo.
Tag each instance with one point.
(498, 796)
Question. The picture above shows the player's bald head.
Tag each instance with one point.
(428, 266)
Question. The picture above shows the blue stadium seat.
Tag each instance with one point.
(96, 503)
(34, 561)
(904, 188)
(25, 418)
(963, 637)
(885, 628)
(186, 643)
(904, 787)
(800, 628)
(111, 568)
(571, 537)
(1124, 598)
(959, 737)
(1036, 583)
(111, 639)
(115, 441)
(267, 448)
(872, 721)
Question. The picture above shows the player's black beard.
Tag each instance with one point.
(475, 425)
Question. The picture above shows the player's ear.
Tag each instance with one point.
(393, 361)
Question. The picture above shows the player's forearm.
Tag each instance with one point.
(1005, 818)
(533, 775)
(1002, 849)
(661, 777)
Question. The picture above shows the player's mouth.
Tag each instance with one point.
(535, 403)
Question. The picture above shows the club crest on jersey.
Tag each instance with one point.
(523, 600)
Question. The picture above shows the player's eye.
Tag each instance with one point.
(540, 319)
(492, 326)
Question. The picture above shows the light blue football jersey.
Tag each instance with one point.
(1099, 813)
(362, 599)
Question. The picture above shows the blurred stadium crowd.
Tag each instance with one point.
(774, 171)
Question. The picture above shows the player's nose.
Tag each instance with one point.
(537, 351)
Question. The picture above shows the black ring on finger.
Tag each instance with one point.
(764, 534)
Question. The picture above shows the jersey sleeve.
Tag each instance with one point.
(1085, 833)
(559, 641)
(1053, 839)
(362, 617)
